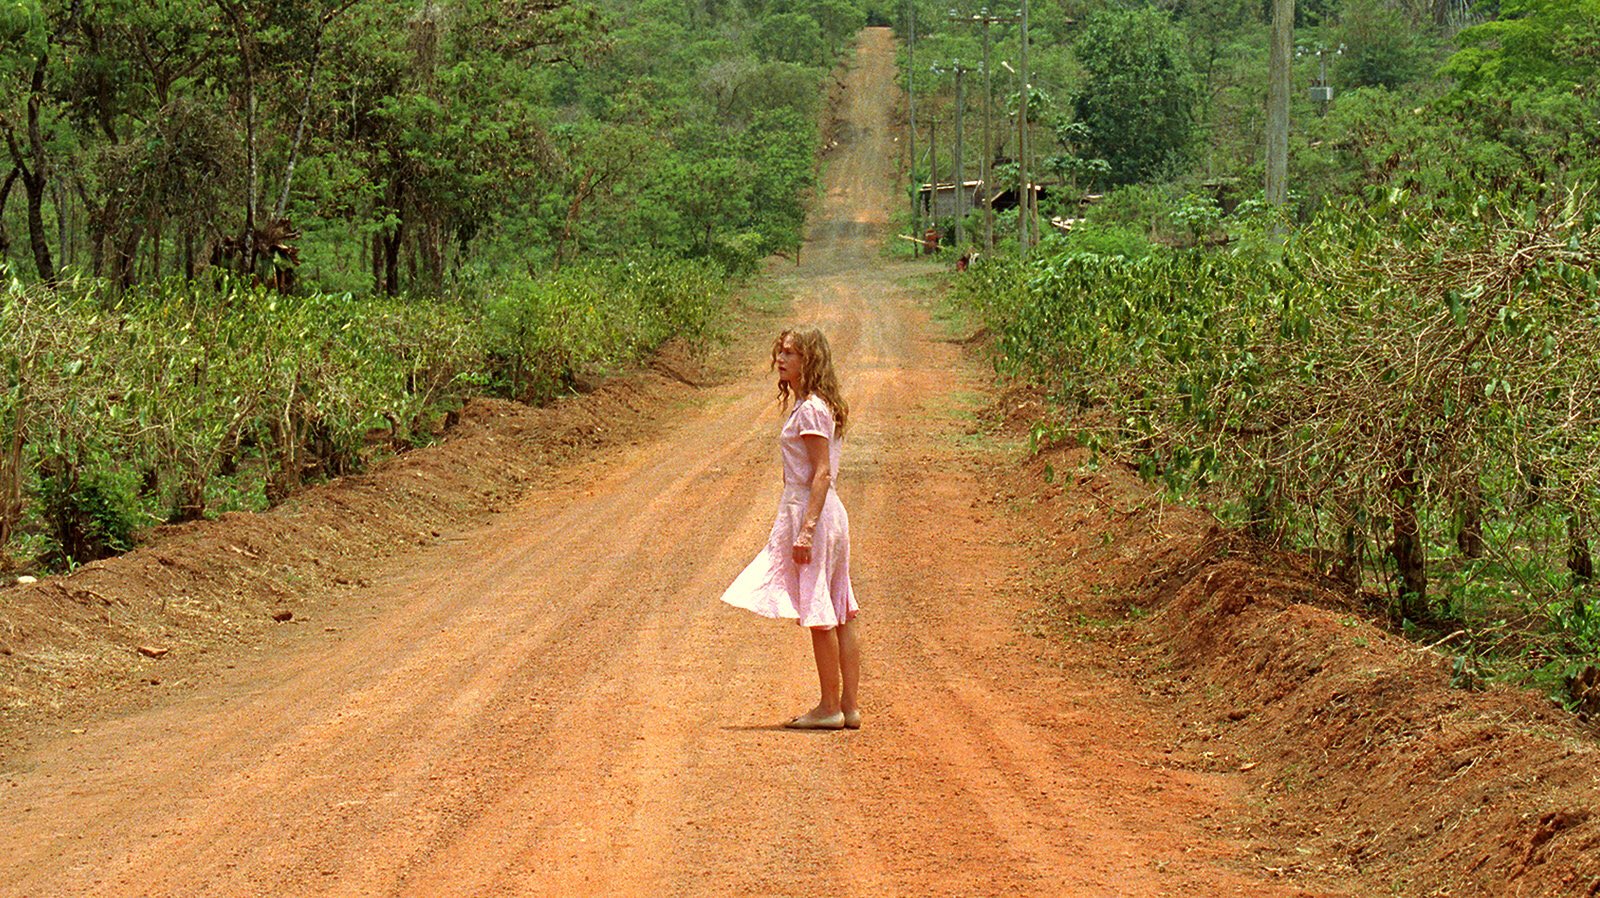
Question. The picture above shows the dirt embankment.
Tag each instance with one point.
(1363, 762)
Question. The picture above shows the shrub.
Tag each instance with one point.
(180, 395)
(1395, 384)
(90, 511)
(1106, 240)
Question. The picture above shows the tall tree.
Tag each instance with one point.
(1531, 41)
(1138, 93)
(25, 55)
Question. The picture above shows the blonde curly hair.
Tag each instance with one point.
(816, 373)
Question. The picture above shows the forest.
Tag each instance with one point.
(251, 244)
(1393, 368)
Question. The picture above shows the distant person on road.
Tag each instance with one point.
(804, 571)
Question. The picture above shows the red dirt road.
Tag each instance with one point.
(559, 705)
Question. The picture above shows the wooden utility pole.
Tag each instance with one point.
(984, 174)
(933, 171)
(986, 171)
(961, 174)
(911, 107)
(1277, 186)
(1027, 225)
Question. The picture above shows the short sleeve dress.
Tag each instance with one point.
(816, 594)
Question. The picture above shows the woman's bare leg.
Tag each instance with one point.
(825, 647)
(849, 666)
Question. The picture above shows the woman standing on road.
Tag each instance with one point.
(804, 571)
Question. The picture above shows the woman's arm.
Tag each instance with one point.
(821, 481)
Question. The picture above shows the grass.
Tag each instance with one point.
(767, 297)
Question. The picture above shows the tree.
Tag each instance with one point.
(839, 19)
(710, 188)
(740, 89)
(25, 55)
(598, 159)
(1211, 25)
(790, 37)
(778, 147)
(1071, 165)
(1137, 94)
(1381, 48)
(1548, 42)
(405, 139)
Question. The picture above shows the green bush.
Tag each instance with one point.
(1106, 240)
(740, 253)
(1137, 206)
(542, 336)
(192, 397)
(1138, 92)
(1401, 392)
(89, 513)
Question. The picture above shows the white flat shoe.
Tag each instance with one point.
(833, 721)
(852, 719)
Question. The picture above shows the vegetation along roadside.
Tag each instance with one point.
(1394, 372)
(252, 245)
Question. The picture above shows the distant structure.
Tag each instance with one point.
(944, 198)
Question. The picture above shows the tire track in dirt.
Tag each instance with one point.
(558, 705)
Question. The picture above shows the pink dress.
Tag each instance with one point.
(816, 594)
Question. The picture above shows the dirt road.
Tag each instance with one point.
(559, 705)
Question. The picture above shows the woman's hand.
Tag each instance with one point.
(821, 482)
(802, 547)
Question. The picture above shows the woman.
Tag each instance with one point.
(804, 571)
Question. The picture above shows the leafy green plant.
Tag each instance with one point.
(171, 400)
(1135, 102)
(91, 511)
(1200, 216)
(1390, 389)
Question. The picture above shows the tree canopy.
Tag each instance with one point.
(398, 144)
(1136, 98)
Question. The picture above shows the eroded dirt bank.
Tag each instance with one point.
(549, 700)
(1361, 766)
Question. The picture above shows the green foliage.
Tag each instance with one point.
(177, 400)
(1531, 42)
(1380, 48)
(89, 513)
(1137, 94)
(22, 28)
(542, 336)
(1382, 368)
(838, 19)
(1107, 240)
(1139, 205)
(1211, 24)
(1074, 165)
(1200, 216)
(740, 254)
(406, 150)
(790, 37)
(1520, 143)
(1395, 368)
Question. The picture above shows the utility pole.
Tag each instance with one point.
(911, 107)
(988, 144)
(1027, 223)
(1277, 187)
(961, 175)
(989, 151)
(986, 171)
(933, 171)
